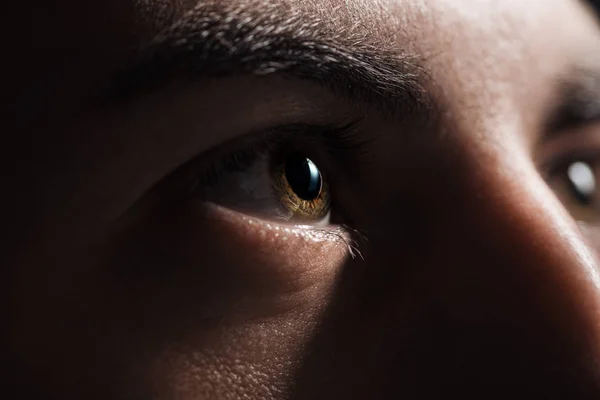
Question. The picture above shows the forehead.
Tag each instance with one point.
(418, 22)
(428, 23)
(490, 59)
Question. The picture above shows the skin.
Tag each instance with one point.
(477, 279)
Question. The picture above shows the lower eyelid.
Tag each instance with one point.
(281, 231)
(284, 238)
(291, 259)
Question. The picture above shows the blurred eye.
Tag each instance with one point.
(577, 183)
(275, 184)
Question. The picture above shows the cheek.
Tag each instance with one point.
(218, 256)
(259, 359)
(220, 302)
(184, 300)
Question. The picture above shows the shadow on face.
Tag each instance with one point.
(304, 200)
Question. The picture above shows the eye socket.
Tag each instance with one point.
(577, 185)
(281, 174)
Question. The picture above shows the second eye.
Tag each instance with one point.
(576, 184)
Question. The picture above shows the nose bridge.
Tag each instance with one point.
(508, 261)
(502, 291)
(517, 219)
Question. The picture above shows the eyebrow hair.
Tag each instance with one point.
(214, 42)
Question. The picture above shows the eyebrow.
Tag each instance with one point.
(211, 42)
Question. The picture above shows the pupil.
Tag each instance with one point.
(582, 180)
(304, 177)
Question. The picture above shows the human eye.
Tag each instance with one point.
(274, 183)
(573, 173)
(576, 183)
(282, 176)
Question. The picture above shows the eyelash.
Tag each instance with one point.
(340, 142)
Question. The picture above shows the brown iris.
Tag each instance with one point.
(299, 184)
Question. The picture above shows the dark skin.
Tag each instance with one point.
(458, 259)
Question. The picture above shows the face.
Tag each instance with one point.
(304, 200)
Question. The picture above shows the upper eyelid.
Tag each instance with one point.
(573, 143)
(339, 136)
(577, 101)
(573, 115)
(551, 167)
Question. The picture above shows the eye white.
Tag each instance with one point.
(582, 178)
(251, 191)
